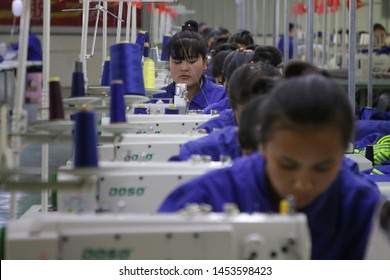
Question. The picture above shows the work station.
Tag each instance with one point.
(195, 130)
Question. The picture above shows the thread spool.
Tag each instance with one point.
(164, 47)
(146, 50)
(153, 54)
(78, 88)
(105, 81)
(85, 139)
(117, 103)
(140, 110)
(126, 65)
(140, 41)
(171, 110)
(146, 45)
(369, 153)
(149, 73)
(56, 106)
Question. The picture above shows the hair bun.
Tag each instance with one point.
(190, 25)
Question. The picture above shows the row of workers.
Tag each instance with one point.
(287, 134)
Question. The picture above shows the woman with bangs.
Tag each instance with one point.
(187, 60)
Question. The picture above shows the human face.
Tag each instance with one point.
(303, 162)
(219, 80)
(380, 37)
(187, 71)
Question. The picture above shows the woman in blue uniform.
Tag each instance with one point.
(380, 39)
(265, 54)
(305, 126)
(187, 61)
(34, 51)
(247, 82)
(232, 62)
(291, 35)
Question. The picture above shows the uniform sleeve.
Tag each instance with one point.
(185, 153)
(213, 188)
(359, 212)
(183, 195)
(207, 145)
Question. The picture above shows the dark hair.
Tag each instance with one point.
(217, 62)
(291, 26)
(310, 100)
(248, 136)
(202, 25)
(250, 80)
(251, 47)
(299, 68)
(190, 25)
(233, 61)
(224, 31)
(378, 26)
(242, 37)
(185, 44)
(223, 47)
(214, 33)
(221, 40)
(268, 54)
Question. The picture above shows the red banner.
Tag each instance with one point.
(59, 17)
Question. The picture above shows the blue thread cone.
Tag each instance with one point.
(117, 103)
(106, 73)
(164, 47)
(77, 85)
(78, 88)
(171, 110)
(140, 41)
(146, 45)
(140, 111)
(126, 65)
(56, 106)
(85, 139)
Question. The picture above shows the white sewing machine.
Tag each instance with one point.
(205, 236)
(157, 108)
(362, 162)
(378, 247)
(384, 187)
(174, 124)
(145, 147)
(129, 186)
(380, 64)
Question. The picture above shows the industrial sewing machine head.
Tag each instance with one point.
(130, 187)
(379, 242)
(195, 235)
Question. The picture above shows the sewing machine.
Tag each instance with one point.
(145, 147)
(174, 124)
(129, 186)
(380, 64)
(188, 235)
(180, 103)
(384, 187)
(378, 247)
(362, 162)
